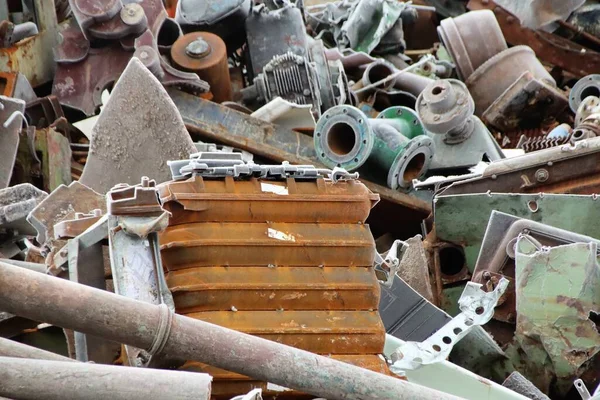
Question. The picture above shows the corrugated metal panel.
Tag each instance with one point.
(264, 288)
(289, 244)
(325, 332)
(227, 384)
(254, 200)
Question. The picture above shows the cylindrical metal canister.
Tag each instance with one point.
(205, 54)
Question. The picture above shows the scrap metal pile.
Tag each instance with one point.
(310, 199)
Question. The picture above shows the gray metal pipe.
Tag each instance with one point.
(25, 379)
(147, 326)
(24, 264)
(10, 348)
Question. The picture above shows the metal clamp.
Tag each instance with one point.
(386, 268)
(583, 391)
(477, 308)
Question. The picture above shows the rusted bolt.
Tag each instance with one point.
(510, 19)
(542, 175)
(198, 48)
(487, 276)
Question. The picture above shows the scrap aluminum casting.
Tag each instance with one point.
(118, 153)
(477, 308)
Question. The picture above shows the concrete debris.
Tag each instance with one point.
(238, 191)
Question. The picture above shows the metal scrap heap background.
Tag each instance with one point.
(309, 199)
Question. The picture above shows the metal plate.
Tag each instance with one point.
(262, 244)
(263, 288)
(324, 332)
(199, 200)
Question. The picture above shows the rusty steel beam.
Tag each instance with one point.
(550, 48)
(56, 380)
(216, 123)
(147, 326)
(10, 348)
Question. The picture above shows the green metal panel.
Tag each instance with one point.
(463, 219)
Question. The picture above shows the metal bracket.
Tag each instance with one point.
(386, 268)
(477, 308)
(583, 391)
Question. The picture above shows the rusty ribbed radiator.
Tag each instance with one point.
(289, 261)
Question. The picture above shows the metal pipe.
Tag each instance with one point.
(147, 326)
(48, 380)
(24, 264)
(10, 348)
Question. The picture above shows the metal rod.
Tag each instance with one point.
(10, 348)
(395, 74)
(24, 264)
(147, 326)
(57, 380)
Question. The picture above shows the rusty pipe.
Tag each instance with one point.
(10, 348)
(147, 326)
(26, 379)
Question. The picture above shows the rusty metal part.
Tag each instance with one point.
(43, 112)
(229, 200)
(77, 87)
(11, 33)
(130, 21)
(227, 384)
(550, 48)
(585, 87)
(588, 106)
(68, 229)
(471, 39)
(62, 204)
(11, 348)
(11, 116)
(263, 244)
(569, 169)
(8, 81)
(589, 127)
(205, 54)
(36, 379)
(282, 288)
(119, 318)
(219, 124)
(325, 332)
(123, 132)
(528, 101)
(33, 56)
(504, 69)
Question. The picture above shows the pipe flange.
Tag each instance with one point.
(585, 87)
(445, 106)
(412, 163)
(471, 39)
(343, 138)
(590, 105)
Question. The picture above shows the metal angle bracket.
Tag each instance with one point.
(387, 267)
(584, 392)
(477, 308)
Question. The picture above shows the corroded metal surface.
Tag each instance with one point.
(263, 244)
(200, 200)
(263, 288)
(324, 332)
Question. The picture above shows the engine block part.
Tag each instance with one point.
(286, 33)
(394, 144)
(585, 87)
(472, 39)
